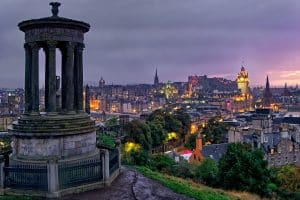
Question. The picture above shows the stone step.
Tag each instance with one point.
(74, 130)
(53, 123)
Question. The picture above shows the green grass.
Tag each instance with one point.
(185, 187)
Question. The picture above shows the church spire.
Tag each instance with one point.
(156, 81)
(267, 98)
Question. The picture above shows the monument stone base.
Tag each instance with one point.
(56, 155)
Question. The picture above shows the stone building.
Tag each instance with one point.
(280, 142)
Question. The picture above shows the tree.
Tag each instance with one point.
(185, 119)
(241, 168)
(172, 124)
(215, 131)
(288, 177)
(168, 121)
(191, 142)
(139, 157)
(207, 171)
(158, 134)
(138, 132)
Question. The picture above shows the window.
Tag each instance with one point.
(265, 138)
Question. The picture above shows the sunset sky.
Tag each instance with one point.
(130, 38)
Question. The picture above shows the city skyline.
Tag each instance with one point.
(131, 38)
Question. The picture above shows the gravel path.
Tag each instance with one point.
(130, 185)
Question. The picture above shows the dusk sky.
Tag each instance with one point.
(130, 38)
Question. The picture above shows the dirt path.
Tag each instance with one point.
(130, 185)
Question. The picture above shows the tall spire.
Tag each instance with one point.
(268, 97)
(242, 66)
(156, 81)
(267, 83)
(286, 92)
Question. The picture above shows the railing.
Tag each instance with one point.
(71, 174)
(113, 160)
(26, 177)
(55, 176)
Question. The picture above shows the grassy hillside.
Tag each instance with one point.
(194, 190)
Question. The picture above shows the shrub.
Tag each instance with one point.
(183, 169)
(140, 157)
(288, 177)
(161, 162)
(207, 172)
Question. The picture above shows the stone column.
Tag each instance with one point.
(53, 181)
(68, 78)
(78, 72)
(35, 76)
(28, 86)
(50, 77)
(87, 100)
(105, 166)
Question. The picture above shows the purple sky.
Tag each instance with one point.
(130, 38)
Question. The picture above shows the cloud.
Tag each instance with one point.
(290, 77)
(130, 38)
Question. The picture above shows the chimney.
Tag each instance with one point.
(199, 143)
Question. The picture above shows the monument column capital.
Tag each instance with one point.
(70, 45)
(33, 45)
(26, 46)
(80, 47)
(51, 44)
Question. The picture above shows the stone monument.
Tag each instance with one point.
(59, 133)
(59, 145)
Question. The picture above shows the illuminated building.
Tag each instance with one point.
(193, 82)
(94, 104)
(243, 81)
(169, 90)
(243, 101)
(194, 128)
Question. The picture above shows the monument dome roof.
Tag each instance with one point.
(53, 21)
